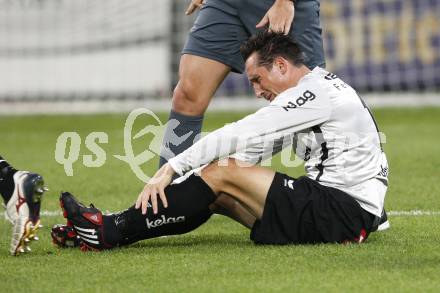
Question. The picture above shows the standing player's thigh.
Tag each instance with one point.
(216, 35)
(199, 78)
(251, 12)
(306, 30)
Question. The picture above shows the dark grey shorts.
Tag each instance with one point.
(222, 25)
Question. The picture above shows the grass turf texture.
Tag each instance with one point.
(219, 256)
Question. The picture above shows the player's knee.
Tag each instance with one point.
(221, 173)
(213, 175)
(186, 99)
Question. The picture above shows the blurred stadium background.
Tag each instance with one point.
(113, 55)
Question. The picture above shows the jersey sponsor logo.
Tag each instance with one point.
(304, 98)
(164, 221)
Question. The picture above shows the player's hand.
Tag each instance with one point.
(155, 186)
(195, 4)
(279, 17)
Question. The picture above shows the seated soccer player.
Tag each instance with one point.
(21, 192)
(340, 199)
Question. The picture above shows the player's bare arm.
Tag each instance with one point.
(279, 17)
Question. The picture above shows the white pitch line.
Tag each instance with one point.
(51, 213)
(413, 213)
(410, 213)
(43, 213)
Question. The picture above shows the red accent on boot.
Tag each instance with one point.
(95, 218)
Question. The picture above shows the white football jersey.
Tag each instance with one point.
(330, 128)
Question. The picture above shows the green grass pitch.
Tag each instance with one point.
(219, 256)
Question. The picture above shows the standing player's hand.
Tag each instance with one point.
(156, 185)
(279, 17)
(195, 4)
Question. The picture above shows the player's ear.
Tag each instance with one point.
(281, 64)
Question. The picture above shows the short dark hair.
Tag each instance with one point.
(270, 45)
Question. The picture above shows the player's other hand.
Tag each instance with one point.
(155, 186)
(279, 17)
(195, 4)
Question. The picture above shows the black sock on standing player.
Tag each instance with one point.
(187, 125)
(6, 179)
(188, 208)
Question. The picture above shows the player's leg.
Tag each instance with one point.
(228, 206)
(249, 185)
(286, 210)
(289, 210)
(133, 226)
(189, 205)
(21, 192)
(199, 79)
(7, 185)
(212, 50)
(188, 208)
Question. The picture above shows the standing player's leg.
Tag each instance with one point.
(21, 192)
(211, 51)
(199, 78)
(306, 30)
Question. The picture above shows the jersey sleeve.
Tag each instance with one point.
(258, 135)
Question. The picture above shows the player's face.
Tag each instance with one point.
(267, 83)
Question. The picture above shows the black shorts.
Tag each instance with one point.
(301, 211)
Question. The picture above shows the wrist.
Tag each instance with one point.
(169, 169)
(173, 168)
